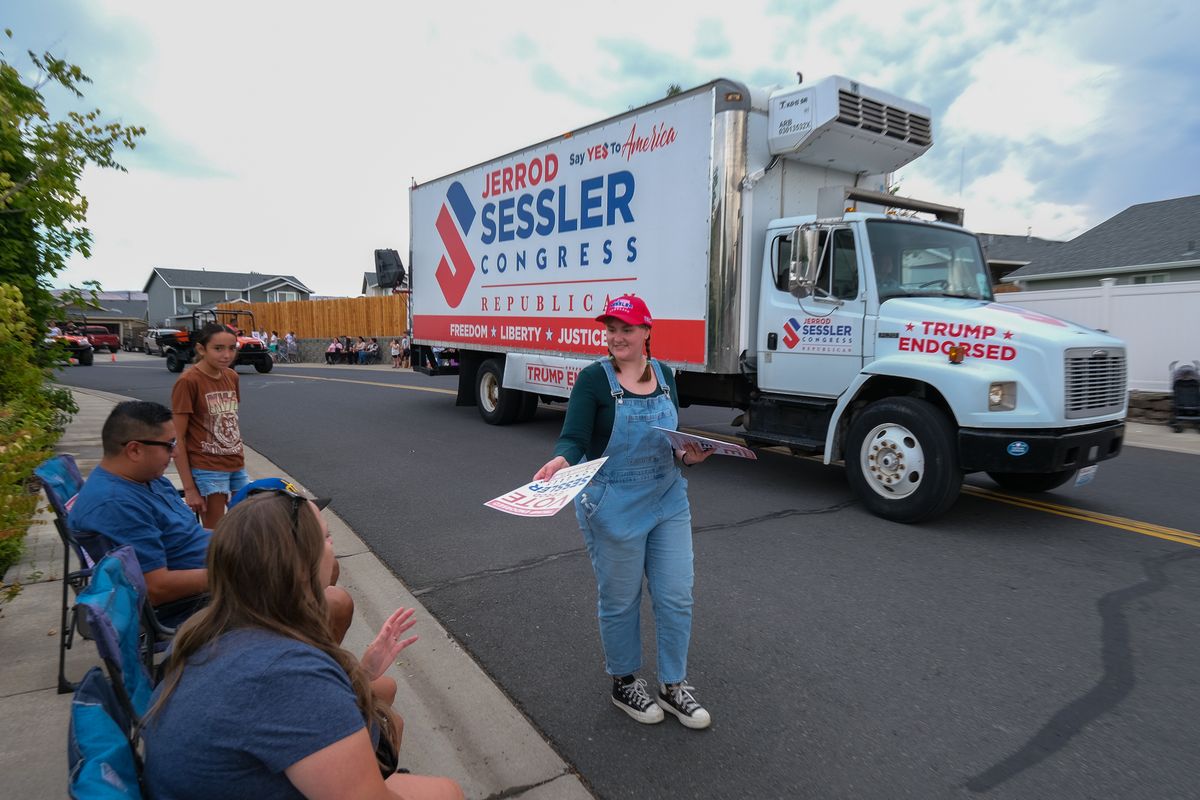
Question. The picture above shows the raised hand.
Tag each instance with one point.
(388, 644)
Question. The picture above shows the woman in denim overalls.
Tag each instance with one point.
(634, 514)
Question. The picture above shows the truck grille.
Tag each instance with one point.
(1095, 381)
(872, 115)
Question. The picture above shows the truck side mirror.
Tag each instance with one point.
(806, 256)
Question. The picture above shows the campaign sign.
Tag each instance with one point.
(547, 498)
(717, 447)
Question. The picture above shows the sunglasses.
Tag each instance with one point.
(297, 501)
(155, 443)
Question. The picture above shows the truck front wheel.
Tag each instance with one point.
(497, 405)
(86, 357)
(175, 362)
(902, 461)
(1032, 481)
(264, 364)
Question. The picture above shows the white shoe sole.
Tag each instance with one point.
(652, 716)
(697, 722)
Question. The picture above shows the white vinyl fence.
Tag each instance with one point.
(1160, 322)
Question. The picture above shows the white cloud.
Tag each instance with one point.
(1030, 89)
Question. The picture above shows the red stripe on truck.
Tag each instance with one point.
(680, 340)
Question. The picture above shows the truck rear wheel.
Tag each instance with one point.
(1032, 481)
(175, 362)
(902, 461)
(86, 357)
(264, 364)
(529, 407)
(497, 405)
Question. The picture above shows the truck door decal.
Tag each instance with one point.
(454, 281)
(819, 335)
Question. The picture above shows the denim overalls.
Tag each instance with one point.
(636, 520)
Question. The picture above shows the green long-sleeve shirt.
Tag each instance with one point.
(591, 411)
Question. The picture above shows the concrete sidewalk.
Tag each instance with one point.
(457, 721)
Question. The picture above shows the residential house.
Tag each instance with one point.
(175, 293)
(1004, 254)
(1147, 243)
(123, 313)
(371, 287)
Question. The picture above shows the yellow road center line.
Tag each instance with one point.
(1071, 512)
(1112, 521)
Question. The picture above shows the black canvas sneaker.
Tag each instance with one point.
(629, 694)
(677, 699)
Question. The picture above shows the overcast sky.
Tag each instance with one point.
(282, 137)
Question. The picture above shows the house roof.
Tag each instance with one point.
(120, 305)
(1161, 235)
(370, 280)
(112, 309)
(133, 309)
(1006, 249)
(207, 279)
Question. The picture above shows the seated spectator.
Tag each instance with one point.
(258, 700)
(370, 351)
(333, 351)
(127, 499)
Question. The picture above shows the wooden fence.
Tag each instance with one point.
(323, 319)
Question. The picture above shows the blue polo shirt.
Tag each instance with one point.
(151, 517)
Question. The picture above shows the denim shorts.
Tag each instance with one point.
(211, 481)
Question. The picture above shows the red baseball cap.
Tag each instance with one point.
(629, 309)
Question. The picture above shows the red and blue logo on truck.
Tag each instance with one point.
(454, 274)
(791, 333)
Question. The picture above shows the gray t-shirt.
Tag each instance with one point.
(246, 708)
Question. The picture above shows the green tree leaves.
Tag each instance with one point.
(42, 159)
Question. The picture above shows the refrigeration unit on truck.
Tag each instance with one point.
(786, 281)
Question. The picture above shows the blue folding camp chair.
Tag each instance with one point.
(110, 610)
(61, 481)
(102, 753)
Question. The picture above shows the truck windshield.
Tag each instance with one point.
(914, 260)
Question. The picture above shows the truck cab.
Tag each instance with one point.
(880, 344)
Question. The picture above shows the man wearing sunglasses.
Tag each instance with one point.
(128, 501)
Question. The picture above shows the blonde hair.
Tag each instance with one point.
(264, 572)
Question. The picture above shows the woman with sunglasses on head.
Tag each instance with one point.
(258, 700)
(635, 516)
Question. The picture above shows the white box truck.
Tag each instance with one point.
(785, 280)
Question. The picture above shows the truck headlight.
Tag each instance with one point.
(1002, 396)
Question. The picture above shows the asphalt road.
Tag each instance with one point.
(1004, 650)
